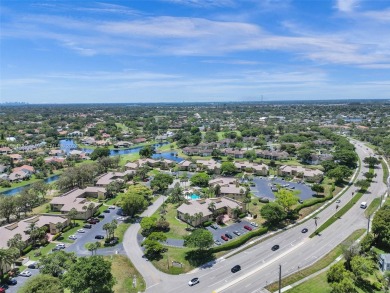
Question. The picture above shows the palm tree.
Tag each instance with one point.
(212, 207)
(17, 243)
(59, 227)
(72, 215)
(106, 227)
(187, 218)
(90, 208)
(236, 212)
(6, 259)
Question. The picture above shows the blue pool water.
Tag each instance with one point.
(194, 196)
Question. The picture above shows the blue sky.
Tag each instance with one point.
(193, 50)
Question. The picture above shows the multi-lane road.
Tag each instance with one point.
(260, 264)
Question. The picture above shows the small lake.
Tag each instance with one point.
(19, 189)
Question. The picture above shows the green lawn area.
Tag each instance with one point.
(124, 272)
(120, 231)
(65, 235)
(320, 264)
(128, 158)
(373, 206)
(177, 227)
(318, 284)
(44, 250)
(121, 126)
(385, 172)
(167, 147)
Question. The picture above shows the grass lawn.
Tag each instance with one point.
(128, 158)
(254, 209)
(318, 284)
(177, 227)
(307, 211)
(65, 235)
(125, 272)
(122, 126)
(44, 250)
(120, 230)
(319, 265)
(373, 206)
(167, 147)
(385, 172)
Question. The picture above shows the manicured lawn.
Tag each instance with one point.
(177, 227)
(65, 235)
(128, 158)
(373, 206)
(120, 230)
(44, 250)
(254, 209)
(318, 284)
(385, 172)
(125, 272)
(167, 147)
(319, 265)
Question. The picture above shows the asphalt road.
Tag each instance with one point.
(259, 264)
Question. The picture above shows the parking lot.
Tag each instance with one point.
(217, 233)
(262, 188)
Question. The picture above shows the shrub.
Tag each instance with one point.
(27, 249)
(263, 200)
(242, 215)
(55, 237)
(67, 228)
(312, 202)
(207, 223)
(254, 203)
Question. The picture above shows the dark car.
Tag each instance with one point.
(99, 237)
(275, 247)
(300, 201)
(106, 211)
(236, 268)
(304, 230)
(215, 227)
(34, 265)
(101, 216)
(224, 238)
(12, 281)
(228, 235)
(248, 228)
(87, 226)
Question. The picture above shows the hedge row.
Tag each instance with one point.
(239, 241)
(312, 202)
(67, 228)
(27, 250)
(56, 236)
(206, 224)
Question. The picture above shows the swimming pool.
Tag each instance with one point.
(193, 196)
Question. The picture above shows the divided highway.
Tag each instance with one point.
(259, 264)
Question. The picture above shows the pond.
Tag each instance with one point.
(16, 190)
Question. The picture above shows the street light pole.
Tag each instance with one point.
(280, 278)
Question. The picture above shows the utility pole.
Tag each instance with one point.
(368, 224)
(280, 278)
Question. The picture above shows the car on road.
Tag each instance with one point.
(80, 231)
(217, 242)
(215, 227)
(224, 238)
(300, 201)
(228, 235)
(237, 233)
(236, 268)
(93, 221)
(25, 274)
(106, 211)
(247, 228)
(120, 218)
(12, 281)
(87, 226)
(338, 201)
(60, 245)
(101, 216)
(254, 224)
(304, 230)
(72, 237)
(275, 247)
(33, 265)
(193, 281)
(99, 237)
(111, 208)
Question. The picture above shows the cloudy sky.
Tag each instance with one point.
(193, 50)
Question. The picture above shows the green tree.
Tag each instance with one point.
(200, 179)
(304, 154)
(72, 214)
(42, 283)
(147, 151)
(7, 257)
(362, 183)
(317, 188)
(199, 238)
(371, 161)
(17, 243)
(339, 173)
(336, 272)
(90, 274)
(381, 227)
(148, 225)
(157, 236)
(99, 153)
(346, 157)
(153, 248)
(362, 267)
(286, 199)
(133, 203)
(55, 264)
(228, 168)
(161, 181)
(273, 213)
(93, 246)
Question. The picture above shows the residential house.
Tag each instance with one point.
(105, 179)
(258, 169)
(15, 157)
(312, 175)
(209, 165)
(5, 150)
(78, 199)
(196, 212)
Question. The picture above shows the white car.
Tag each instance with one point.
(72, 237)
(254, 224)
(80, 231)
(120, 218)
(60, 245)
(111, 208)
(25, 274)
(193, 281)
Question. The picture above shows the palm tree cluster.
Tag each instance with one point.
(110, 229)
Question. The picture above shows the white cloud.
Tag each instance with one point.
(346, 5)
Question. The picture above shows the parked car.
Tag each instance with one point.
(93, 221)
(60, 245)
(80, 231)
(215, 227)
(87, 226)
(33, 265)
(236, 268)
(193, 281)
(25, 274)
(111, 208)
(12, 281)
(229, 235)
(300, 201)
(72, 237)
(247, 228)
(254, 224)
(275, 247)
(304, 230)
(224, 238)
(106, 211)
(237, 233)
(99, 237)
(113, 241)
(217, 242)
(101, 216)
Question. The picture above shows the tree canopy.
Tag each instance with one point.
(99, 153)
(199, 238)
(200, 179)
(161, 181)
(273, 213)
(42, 283)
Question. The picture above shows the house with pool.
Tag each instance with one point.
(196, 212)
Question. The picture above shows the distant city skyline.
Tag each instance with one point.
(193, 51)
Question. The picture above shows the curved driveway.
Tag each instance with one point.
(259, 264)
